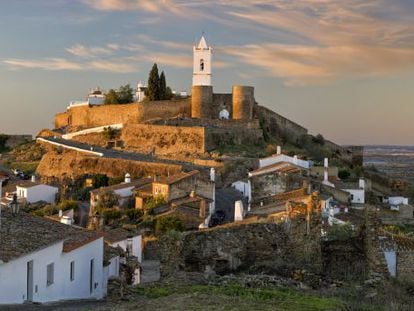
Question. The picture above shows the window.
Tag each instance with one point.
(201, 64)
(72, 270)
(50, 271)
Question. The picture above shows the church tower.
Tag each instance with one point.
(202, 63)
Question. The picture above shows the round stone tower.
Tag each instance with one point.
(243, 102)
(201, 101)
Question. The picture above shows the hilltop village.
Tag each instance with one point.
(205, 186)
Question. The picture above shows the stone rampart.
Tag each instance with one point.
(163, 139)
(93, 116)
(275, 124)
(405, 264)
(71, 164)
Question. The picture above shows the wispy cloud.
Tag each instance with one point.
(94, 51)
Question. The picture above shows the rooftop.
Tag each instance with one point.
(134, 183)
(24, 233)
(117, 235)
(281, 167)
(176, 178)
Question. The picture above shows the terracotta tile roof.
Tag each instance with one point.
(176, 178)
(282, 167)
(134, 183)
(24, 233)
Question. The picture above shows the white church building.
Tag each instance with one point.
(202, 63)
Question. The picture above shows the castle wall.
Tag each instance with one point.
(94, 116)
(243, 102)
(216, 137)
(278, 125)
(163, 139)
(220, 102)
(57, 165)
(405, 264)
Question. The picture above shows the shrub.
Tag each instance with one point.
(67, 205)
(340, 232)
(169, 223)
(153, 202)
(107, 199)
(134, 214)
(344, 174)
(111, 214)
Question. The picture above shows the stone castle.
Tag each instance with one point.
(207, 118)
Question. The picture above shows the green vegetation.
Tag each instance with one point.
(3, 140)
(68, 205)
(124, 95)
(340, 232)
(344, 174)
(235, 297)
(106, 200)
(157, 86)
(169, 223)
(100, 180)
(110, 133)
(152, 203)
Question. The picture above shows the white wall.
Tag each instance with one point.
(357, 194)
(136, 246)
(38, 193)
(283, 158)
(13, 275)
(397, 200)
(243, 187)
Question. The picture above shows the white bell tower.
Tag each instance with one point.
(202, 63)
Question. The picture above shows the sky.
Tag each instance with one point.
(344, 69)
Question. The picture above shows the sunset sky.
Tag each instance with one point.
(342, 68)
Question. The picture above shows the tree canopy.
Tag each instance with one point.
(124, 95)
(157, 85)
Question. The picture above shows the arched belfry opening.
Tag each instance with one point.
(201, 64)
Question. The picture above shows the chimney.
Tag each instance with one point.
(295, 159)
(278, 150)
(33, 179)
(212, 174)
(238, 211)
(60, 213)
(326, 169)
(127, 178)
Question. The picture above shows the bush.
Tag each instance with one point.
(319, 139)
(111, 214)
(153, 202)
(134, 214)
(344, 174)
(106, 200)
(100, 180)
(68, 205)
(340, 232)
(169, 223)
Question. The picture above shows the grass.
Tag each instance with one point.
(26, 167)
(235, 297)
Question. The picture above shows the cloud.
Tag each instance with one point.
(57, 64)
(152, 6)
(94, 51)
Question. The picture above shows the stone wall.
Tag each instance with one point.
(216, 137)
(256, 247)
(278, 125)
(163, 139)
(93, 116)
(71, 164)
(405, 265)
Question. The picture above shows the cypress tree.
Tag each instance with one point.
(154, 84)
(163, 86)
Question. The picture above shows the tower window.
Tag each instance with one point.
(201, 64)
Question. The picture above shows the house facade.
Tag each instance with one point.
(44, 261)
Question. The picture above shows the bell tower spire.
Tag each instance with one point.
(202, 63)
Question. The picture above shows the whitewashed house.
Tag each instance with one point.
(33, 191)
(43, 261)
(130, 243)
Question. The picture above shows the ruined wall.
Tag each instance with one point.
(276, 124)
(222, 101)
(94, 116)
(71, 164)
(164, 139)
(405, 265)
(255, 247)
(243, 102)
(201, 101)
